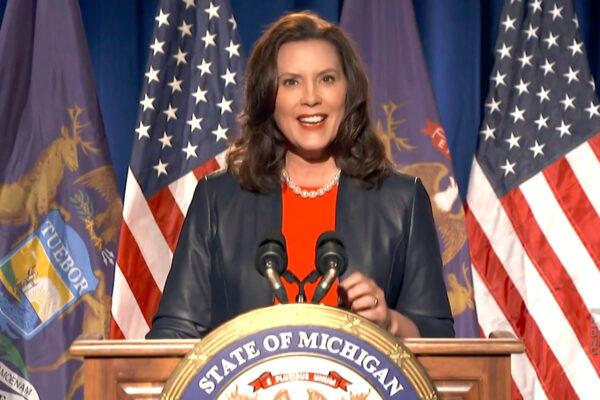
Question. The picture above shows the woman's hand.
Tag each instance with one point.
(362, 296)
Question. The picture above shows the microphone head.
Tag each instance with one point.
(271, 253)
(330, 251)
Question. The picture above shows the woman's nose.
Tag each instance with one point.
(310, 95)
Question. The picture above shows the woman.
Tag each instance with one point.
(307, 161)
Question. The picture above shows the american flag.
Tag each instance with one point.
(534, 202)
(188, 107)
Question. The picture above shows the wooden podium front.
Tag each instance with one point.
(460, 368)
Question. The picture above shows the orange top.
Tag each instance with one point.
(304, 220)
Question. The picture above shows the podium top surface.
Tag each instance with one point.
(181, 347)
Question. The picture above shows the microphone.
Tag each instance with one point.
(331, 261)
(271, 262)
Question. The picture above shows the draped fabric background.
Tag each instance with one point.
(457, 36)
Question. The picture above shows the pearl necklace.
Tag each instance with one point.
(310, 193)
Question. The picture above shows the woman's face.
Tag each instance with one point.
(311, 93)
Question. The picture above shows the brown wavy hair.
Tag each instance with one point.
(258, 156)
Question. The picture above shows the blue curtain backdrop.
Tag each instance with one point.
(458, 37)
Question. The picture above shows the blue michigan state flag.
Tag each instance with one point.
(59, 204)
(407, 122)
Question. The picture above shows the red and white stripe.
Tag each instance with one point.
(536, 271)
(149, 233)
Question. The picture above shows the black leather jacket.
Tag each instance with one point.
(388, 233)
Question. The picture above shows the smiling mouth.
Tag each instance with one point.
(312, 119)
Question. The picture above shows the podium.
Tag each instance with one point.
(459, 368)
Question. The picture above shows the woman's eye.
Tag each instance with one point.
(289, 82)
(328, 78)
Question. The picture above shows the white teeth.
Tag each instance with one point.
(313, 119)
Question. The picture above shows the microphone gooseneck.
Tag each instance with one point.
(271, 262)
(331, 261)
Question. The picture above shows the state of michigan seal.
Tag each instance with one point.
(299, 352)
(43, 275)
